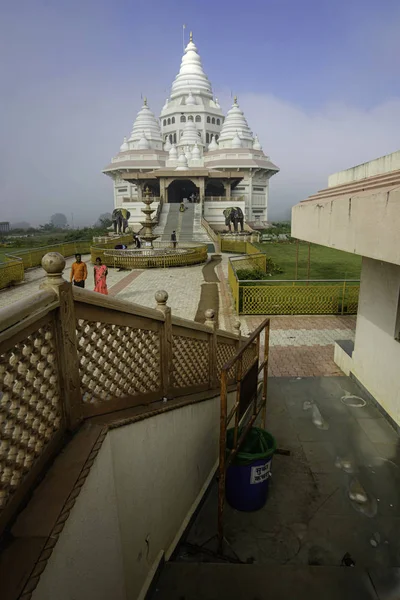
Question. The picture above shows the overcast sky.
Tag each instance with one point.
(318, 81)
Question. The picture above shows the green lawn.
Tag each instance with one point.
(326, 263)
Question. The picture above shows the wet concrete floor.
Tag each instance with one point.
(337, 494)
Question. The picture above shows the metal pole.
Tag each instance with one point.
(222, 452)
(265, 374)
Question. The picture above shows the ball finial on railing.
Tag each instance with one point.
(161, 298)
(237, 327)
(210, 317)
(53, 263)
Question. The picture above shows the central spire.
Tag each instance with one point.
(191, 76)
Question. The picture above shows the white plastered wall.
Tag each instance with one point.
(143, 487)
(376, 356)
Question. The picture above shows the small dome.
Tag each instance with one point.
(143, 142)
(125, 145)
(147, 122)
(167, 145)
(188, 153)
(182, 163)
(190, 101)
(196, 151)
(173, 153)
(217, 103)
(166, 103)
(213, 145)
(235, 121)
(236, 142)
(256, 144)
(190, 135)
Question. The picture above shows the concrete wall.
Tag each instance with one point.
(143, 487)
(384, 164)
(86, 562)
(376, 356)
(160, 468)
(367, 223)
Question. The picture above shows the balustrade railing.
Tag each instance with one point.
(232, 199)
(68, 354)
(13, 268)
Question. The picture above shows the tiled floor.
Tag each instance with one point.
(300, 346)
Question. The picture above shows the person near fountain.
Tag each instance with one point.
(138, 241)
(100, 273)
(78, 272)
(173, 238)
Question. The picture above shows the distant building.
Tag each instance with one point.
(360, 213)
(4, 226)
(194, 150)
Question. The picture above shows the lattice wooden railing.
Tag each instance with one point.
(67, 354)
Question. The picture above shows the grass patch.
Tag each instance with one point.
(326, 263)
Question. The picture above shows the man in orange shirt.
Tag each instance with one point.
(78, 272)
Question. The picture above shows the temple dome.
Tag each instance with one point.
(146, 122)
(213, 145)
(236, 142)
(196, 151)
(256, 144)
(190, 101)
(167, 145)
(190, 135)
(182, 163)
(173, 153)
(235, 121)
(143, 142)
(125, 145)
(191, 75)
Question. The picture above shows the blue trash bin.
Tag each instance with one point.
(247, 478)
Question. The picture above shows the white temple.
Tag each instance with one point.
(193, 149)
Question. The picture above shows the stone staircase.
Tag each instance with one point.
(209, 581)
(187, 224)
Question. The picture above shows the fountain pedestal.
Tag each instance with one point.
(148, 235)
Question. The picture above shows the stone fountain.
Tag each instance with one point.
(148, 235)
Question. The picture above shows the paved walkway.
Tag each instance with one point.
(303, 346)
(300, 346)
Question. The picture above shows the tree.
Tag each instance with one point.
(59, 220)
(104, 220)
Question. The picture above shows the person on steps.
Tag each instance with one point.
(78, 272)
(173, 238)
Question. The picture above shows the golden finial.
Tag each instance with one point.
(147, 191)
(235, 100)
(145, 101)
(191, 36)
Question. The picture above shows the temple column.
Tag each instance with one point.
(227, 186)
(202, 188)
(162, 188)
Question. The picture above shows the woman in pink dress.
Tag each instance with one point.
(100, 275)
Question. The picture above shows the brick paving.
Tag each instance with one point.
(303, 346)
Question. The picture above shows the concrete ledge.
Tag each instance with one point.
(343, 355)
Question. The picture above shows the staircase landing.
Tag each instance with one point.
(275, 582)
